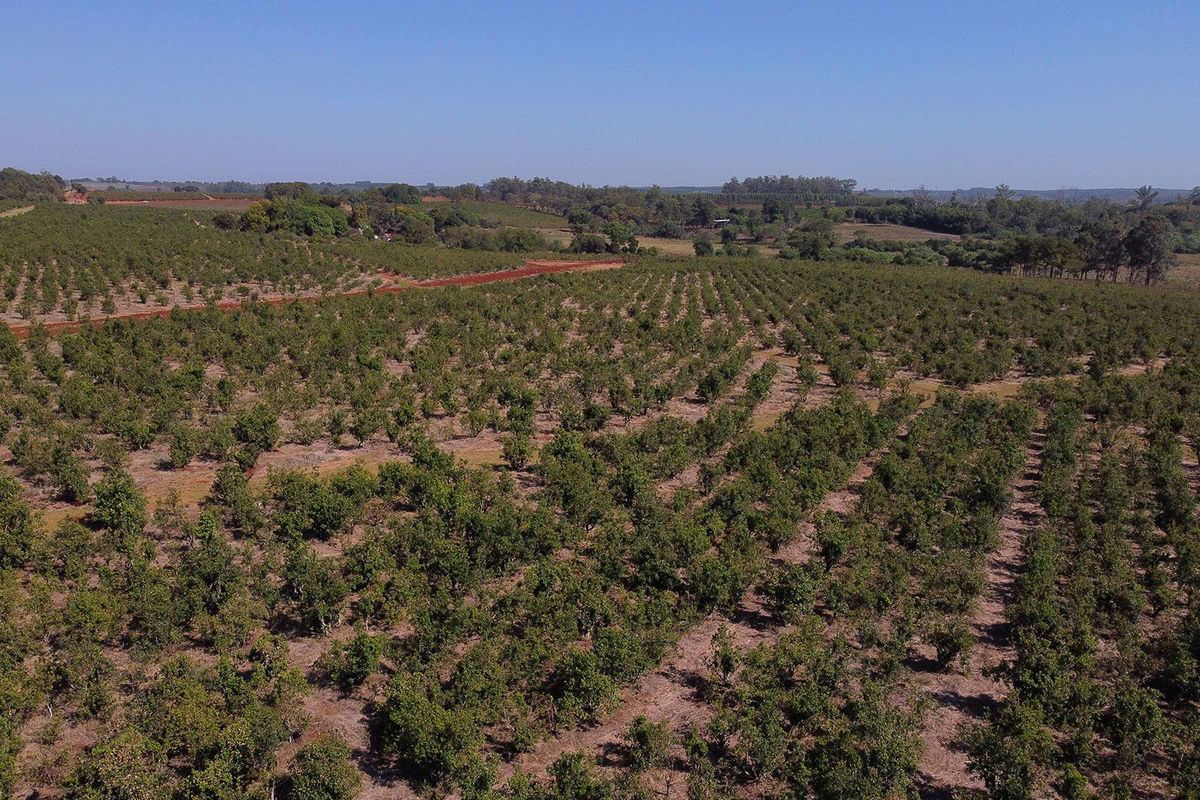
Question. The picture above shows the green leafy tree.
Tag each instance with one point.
(185, 446)
(422, 731)
(517, 450)
(1007, 753)
(257, 428)
(127, 766)
(17, 526)
(647, 744)
(1150, 246)
(725, 656)
(316, 585)
(120, 505)
(321, 770)
(10, 746)
(350, 663)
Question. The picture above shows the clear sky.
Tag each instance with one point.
(894, 94)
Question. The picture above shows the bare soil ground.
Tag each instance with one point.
(12, 212)
(966, 694)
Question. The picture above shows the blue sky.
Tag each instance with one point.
(894, 94)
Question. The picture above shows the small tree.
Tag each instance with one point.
(257, 428)
(185, 446)
(16, 524)
(952, 638)
(1150, 246)
(648, 742)
(120, 505)
(70, 475)
(350, 663)
(725, 657)
(321, 771)
(517, 451)
(1008, 752)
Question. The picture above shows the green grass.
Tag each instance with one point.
(514, 216)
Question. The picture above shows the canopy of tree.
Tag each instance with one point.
(16, 184)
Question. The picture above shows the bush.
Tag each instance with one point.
(185, 446)
(421, 733)
(120, 505)
(952, 638)
(321, 771)
(348, 664)
(517, 451)
(647, 744)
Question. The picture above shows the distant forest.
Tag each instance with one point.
(16, 184)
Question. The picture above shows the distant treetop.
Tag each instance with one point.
(786, 184)
(17, 184)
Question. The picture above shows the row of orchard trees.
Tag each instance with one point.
(515, 666)
(1104, 680)
(218, 386)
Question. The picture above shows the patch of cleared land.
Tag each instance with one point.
(667, 247)
(1187, 271)
(894, 233)
(205, 203)
(513, 216)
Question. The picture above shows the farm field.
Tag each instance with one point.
(464, 401)
(897, 233)
(666, 247)
(712, 526)
(207, 203)
(513, 216)
(1187, 273)
(102, 261)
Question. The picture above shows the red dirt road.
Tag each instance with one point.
(398, 284)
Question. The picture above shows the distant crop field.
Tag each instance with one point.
(514, 216)
(669, 247)
(897, 233)
(206, 203)
(666, 247)
(1187, 272)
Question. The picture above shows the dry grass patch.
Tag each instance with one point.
(885, 231)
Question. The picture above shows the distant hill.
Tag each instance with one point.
(1061, 195)
(1118, 195)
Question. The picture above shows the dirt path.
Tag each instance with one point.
(395, 284)
(966, 695)
(670, 693)
(12, 212)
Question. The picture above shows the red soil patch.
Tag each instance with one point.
(530, 268)
(398, 284)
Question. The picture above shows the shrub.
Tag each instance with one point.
(350, 663)
(647, 744)
(120, 505)
(321, 771)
